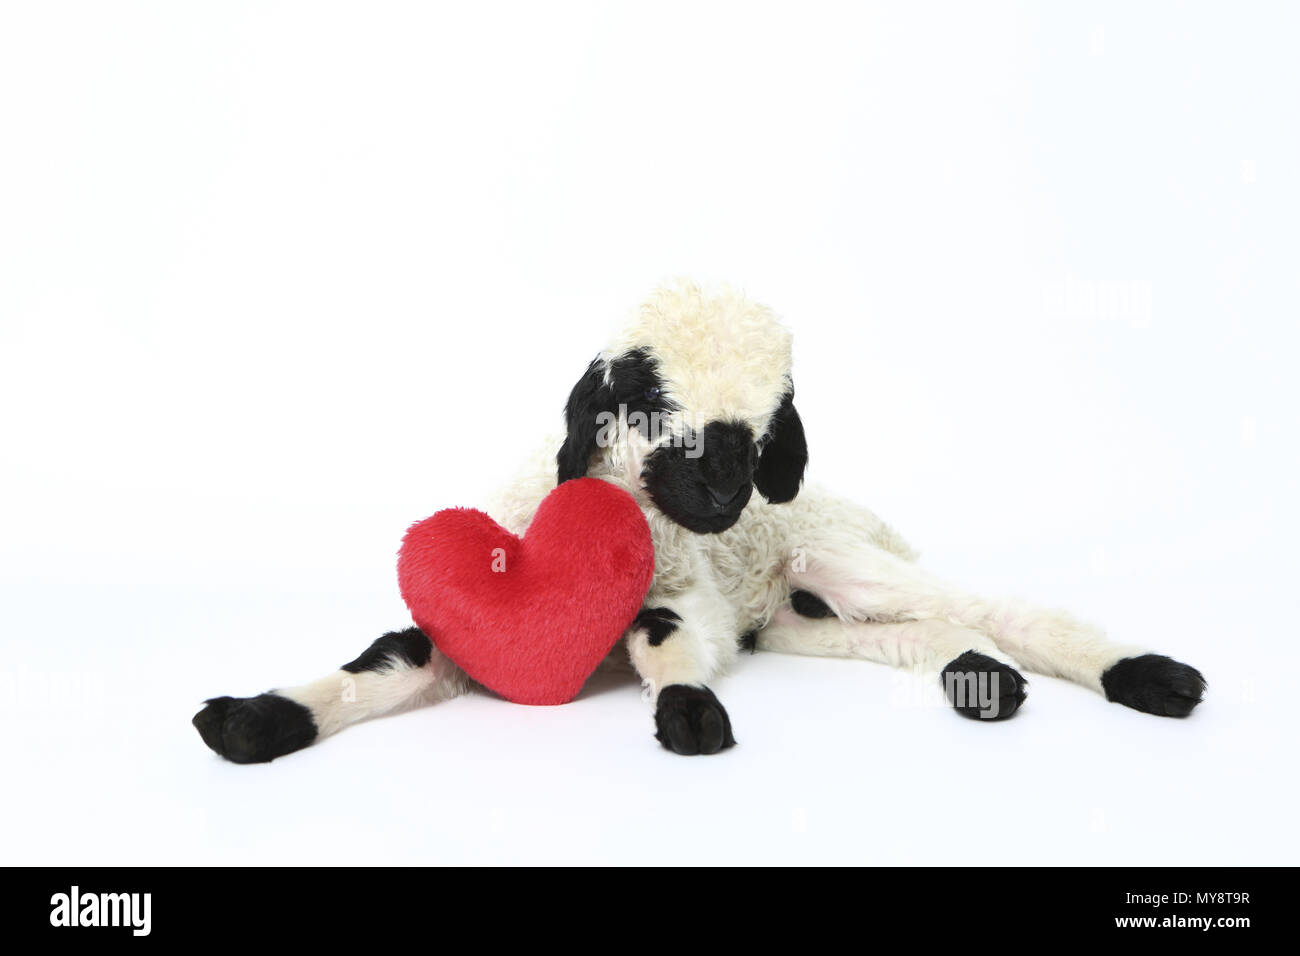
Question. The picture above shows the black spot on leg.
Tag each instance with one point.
(749, 640)
(659, 623)
(807, 604)
(410, 647)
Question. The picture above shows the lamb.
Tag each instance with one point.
(691, 410)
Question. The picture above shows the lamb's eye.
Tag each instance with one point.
(652, 393)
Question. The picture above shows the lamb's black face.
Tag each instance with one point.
(704, 483)
(701, 479)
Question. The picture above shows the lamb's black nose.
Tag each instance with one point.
(723, 496)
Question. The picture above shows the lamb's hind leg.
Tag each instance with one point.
(1053, 642)
(399, 671)
(870, 584)
(979, 680)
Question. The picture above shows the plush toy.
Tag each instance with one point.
(530, 617)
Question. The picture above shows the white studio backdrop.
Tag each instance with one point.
(278, 279)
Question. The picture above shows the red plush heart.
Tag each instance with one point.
(530, 617)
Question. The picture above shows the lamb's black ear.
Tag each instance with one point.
(590, 396)
(784, 455)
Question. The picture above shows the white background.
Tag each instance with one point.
(277, 280)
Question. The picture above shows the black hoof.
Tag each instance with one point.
(255, 729)
(1154, 684)
(983, 688)
(689, 721)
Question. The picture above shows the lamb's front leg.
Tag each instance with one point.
(677, 643)
(400, 670)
